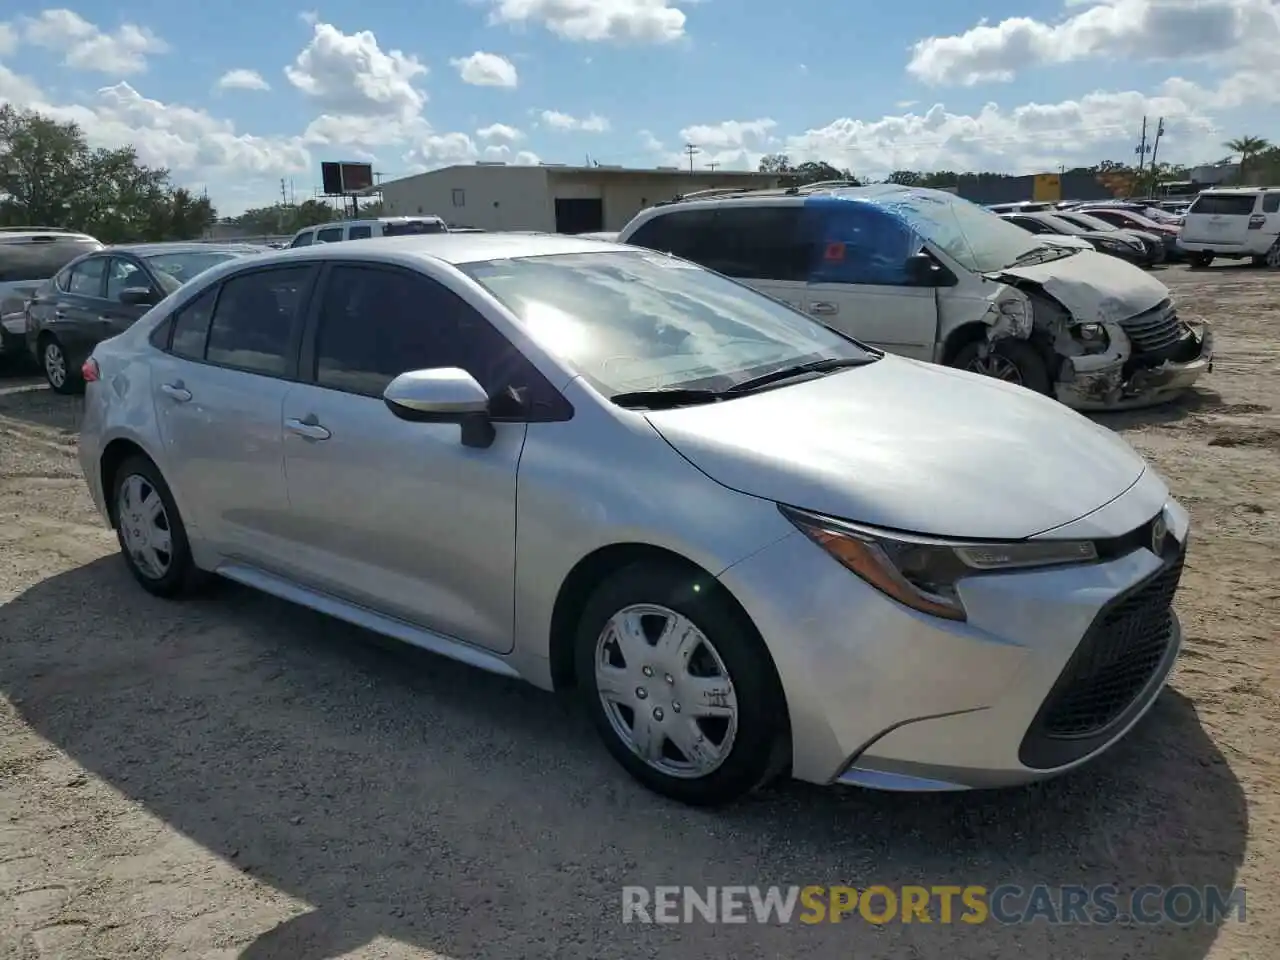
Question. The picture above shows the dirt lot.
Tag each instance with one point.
(234, 777)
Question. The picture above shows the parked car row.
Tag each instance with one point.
(753, 539)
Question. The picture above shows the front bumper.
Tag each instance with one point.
(1112, 381)
(881, 696)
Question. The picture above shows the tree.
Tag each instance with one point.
(282, 219)
(1248, 147)
(811, 171)
(50, 177)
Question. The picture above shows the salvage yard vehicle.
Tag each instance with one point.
(103, 293)
(1115, 243)
(1233, 222)
(337, 231)
(754, 545)
(28, 257)
(928, 275)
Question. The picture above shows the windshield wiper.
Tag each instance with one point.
(664, 398)
(798, 370)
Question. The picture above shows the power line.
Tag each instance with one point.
(691, 149)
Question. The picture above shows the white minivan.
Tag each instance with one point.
(928, 275)
(1233, 222)
(364, 229)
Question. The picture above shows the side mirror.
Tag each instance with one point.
(138, 296)
(921, 270)
(444, 395)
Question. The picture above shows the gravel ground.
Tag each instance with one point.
(235, 777)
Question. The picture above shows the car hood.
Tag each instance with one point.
(1092, 286)
(909, 446)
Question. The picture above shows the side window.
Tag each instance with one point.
(864, 244)
(681, 233)
(86, 277)
(253, 322)
(329, 235)
(760, 243)
(122, 275)
(303, 239)
(1271, 203)
(376, 324)
(1026, 223)
(359, 233)
(191, 326)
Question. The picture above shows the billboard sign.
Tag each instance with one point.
(342, 179)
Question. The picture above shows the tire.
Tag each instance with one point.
(57, 368)
(1200, 261)
(164, 573)
(745, 746)
(1016, 358)
(1272, 257)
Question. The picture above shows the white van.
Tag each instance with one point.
(1234, 222)
(928, 275)
(364, 229)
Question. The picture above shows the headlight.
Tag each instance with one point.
(1092, 336)
(923, 572)
(1019, 315)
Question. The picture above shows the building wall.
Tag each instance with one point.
(624, 195)
(986, 189)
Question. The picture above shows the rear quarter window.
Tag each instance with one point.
(1225, 204)
(40, 259)
(413, 227)
(1271, 203)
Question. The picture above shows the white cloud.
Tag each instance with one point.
(350, 75)
(242, 80)
(447, 149)
(638, 21)
(1182, 30)
(486, 70)
(651, 143)
(565, 123)
(499, 131)
(730, 134)
(8, 39)
(85, 47)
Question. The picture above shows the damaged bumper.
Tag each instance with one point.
(1120, 380)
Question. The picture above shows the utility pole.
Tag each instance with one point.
(691, 149)
(1155, 147)
(711, 165)
(284, 197)
(1141, 148)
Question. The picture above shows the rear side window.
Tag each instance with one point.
(1225, 204)
(329, 235)
(253, 322)
(303, 239)
(863, 243)
(191, 326)
(41, 258)
(359, 233)
(760, 243)
(1271, 202)
(681, 233)
(413, 227)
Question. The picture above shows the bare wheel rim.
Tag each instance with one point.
(144, 526)
(996, 366)
(666, 691)
(55, 364)
(1273, 256)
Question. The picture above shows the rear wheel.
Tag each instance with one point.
(152, 537)
(680, 686)
(1271, 258)
(57, 367)
(1199, 261)
(1012, 361)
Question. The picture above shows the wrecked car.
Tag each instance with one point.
(928, 275)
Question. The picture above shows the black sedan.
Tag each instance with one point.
(1117, 243)
(103, 293)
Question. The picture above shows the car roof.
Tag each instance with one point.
(152, 249)
(23, 235)
(452, 248)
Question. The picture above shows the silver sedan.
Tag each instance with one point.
(753, 545)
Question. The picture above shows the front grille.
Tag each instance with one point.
(1114, 663)
(1154, 329)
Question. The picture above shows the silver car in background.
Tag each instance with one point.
(752, 544)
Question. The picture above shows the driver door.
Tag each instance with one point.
(122, 274)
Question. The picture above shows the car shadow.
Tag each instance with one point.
(30, 400)
(1197, 400)
(405, 796)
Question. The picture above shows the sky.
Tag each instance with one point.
(236, 97)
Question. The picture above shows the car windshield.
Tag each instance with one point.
(1093, 223)
(175, 269)
(638, 321)
(973, 236)
(1060, 224)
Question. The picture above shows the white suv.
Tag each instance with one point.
(1234, 223)
(364, 229)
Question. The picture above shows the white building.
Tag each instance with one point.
(551, 197)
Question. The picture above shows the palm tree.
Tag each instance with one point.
(1248, 148)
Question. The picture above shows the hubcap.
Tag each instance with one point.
(144, 526)
(55, 364)
(666, 691)
(997, 366)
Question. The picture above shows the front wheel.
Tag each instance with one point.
(1200, 261)
(1012, 361)
(680, 686)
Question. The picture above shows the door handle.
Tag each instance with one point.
(308, 429)
(176, 392)
(823, 309)
(59, 314)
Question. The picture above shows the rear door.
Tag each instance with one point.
(329, 235)
(859, 283)
(1220, 219)
(71, 312)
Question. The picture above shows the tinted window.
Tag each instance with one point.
(302, 239)
(1224, 204)
(329, 235)
(253, 323)
(1271, 203)
(181, 267)
(122, 275)
(377, 324)
(86, 278)
(864, 243)
(191, 326)
(759, 243)
(413, 227)
(39, 259)
(359, 233)
(1026, 223)
(681, 233)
